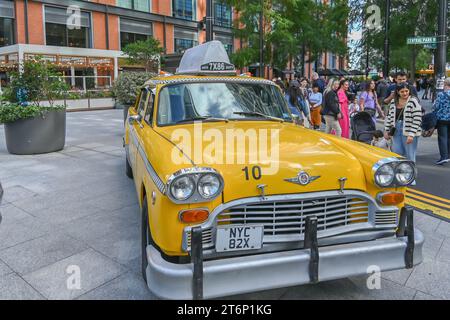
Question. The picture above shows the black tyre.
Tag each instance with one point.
(146, 237)
(128, 170)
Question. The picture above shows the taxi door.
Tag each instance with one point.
(135, 141)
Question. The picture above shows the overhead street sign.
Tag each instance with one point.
(421, 40)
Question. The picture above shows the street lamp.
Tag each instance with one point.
(386, 40)
(261, 41)
(209, 21)
(441, 61)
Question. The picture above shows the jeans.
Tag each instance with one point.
(443, 129)
(399, 145)
(332, 124)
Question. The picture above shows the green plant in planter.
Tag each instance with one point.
(11, 112)
(36, 81)
(126, 87)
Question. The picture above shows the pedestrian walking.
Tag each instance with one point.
(295, 101)
(368, 101)
(331, 110)
(344, 121)
(425, 85)
(403, 122)
(315, 100)
(442, 112)
(378, 140)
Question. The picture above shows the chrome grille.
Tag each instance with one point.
(207, 239)
(285, 220)
(386, 218)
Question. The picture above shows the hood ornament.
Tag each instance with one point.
(342, 182)
(262, 190)
(303, 179)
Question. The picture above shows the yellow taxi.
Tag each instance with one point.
(235, 197)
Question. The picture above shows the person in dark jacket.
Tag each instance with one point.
(442, 112)
(331, 110)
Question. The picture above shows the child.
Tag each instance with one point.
(380, 142)
(353, 107)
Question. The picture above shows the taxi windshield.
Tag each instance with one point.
(229, 101)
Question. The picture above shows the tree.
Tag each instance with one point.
(408, 18)
(147, 53)
(291, 29)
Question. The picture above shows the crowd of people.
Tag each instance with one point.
(330, 104)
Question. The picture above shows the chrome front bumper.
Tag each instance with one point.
(275, 270)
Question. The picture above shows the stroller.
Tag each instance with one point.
(362, 127)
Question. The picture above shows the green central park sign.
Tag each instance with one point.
(421, 40)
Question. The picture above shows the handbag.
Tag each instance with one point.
(371, 112)
(393, 130)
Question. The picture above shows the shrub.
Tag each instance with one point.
(11, 112)
(126, 87)
(38, 80)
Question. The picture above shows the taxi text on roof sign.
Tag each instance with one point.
(210, 58)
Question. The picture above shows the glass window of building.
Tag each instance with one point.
(222, 14)
(184, 39)
(58, 33)
(184, 9)
(226, 40)
(140, 5)
(6, 23)
(133, 30)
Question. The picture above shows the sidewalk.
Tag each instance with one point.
(77, 208)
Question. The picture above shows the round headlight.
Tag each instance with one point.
(384, 176)
(209, 186)
(182, 188)
(405, 173)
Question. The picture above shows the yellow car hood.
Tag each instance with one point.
(299, 149)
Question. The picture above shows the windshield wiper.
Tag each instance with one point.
(203, 118)
(258, 114)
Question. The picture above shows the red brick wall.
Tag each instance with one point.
(20, 21)
(113, 32)
(35, 23)
(99, 30)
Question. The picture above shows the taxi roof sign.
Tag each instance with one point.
(209, 58)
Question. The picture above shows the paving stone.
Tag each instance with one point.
(13, 232)
(126, 287)
(124, 245)
(15, 193)
(35, 254)
(397, 276)
(425, 223)
(113, 201)
(95, 270)
(11, 212)
(443, 229)
(388, 291)
(431, 277)
(424, 296)
(431, 246)
(444, 252)
(90, 145)
(4, 269)
(12, 287)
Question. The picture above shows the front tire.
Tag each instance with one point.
(146, 238)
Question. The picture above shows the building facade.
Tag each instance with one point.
(84, 38)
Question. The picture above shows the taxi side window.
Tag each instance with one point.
(142, 102)
(149, 112)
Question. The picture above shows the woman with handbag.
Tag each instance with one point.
(368, 101)
(403, 122)
(442, 113)
(331, 111)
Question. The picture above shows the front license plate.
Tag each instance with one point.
(239, 237)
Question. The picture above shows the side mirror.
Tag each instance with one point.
(134, 119)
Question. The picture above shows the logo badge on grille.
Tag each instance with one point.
(303, 179)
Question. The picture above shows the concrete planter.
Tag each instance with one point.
(42, 134)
